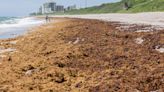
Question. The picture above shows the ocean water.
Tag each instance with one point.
(11, 27)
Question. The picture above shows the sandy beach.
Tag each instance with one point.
(156, 19)
(83, 55)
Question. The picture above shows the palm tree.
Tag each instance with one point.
(126, 6)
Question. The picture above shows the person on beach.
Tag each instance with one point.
(47, 19)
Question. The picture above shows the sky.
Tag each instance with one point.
(24, 7)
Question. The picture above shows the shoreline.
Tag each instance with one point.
(18, 26)
(81, 55)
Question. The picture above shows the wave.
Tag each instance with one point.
(19, 22)
(18, 26)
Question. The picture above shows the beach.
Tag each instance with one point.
(83, 55)
(156, 19)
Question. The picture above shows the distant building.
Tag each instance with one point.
(71, 7)
(59, 8)
(49, 7)
(40, 10)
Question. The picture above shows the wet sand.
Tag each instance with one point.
(80, 55)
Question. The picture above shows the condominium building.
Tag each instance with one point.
(49, 7)
(71, 7)
(59, 8)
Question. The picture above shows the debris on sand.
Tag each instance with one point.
(159, 48)
(7, 50)
(9, 42)
(139, 40)
(76, 41)
(59, 78)
(3, 56)
(146, 30)
(29, 72)
(69, 42)
(160, 90)
(13, 42)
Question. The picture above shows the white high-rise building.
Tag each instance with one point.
(49, 7)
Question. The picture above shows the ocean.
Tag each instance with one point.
(11, 27)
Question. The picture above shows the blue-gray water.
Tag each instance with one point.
(11, 27)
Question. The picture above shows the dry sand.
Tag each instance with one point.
(150, 18)
(77, 55)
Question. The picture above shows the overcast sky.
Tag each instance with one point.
(24, 7)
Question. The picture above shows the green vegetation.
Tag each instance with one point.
(128, 6)
(146, 5)
(104, 8)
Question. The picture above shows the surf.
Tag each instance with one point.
(16, 25)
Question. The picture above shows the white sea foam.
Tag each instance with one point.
(23, 22)
(13, 27)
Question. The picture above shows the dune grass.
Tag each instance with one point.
(118, 7)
